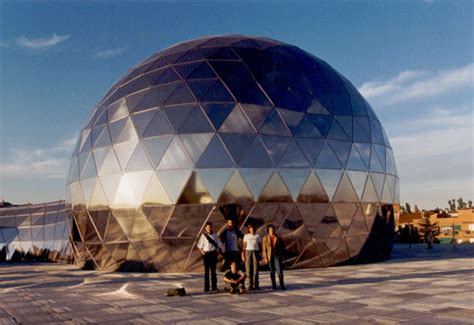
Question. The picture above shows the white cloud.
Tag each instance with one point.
(110, 53)
(415, 84)
(52, 162)
(41, 43)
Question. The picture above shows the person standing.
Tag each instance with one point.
(273, 254)
(209, 245)
(251, 256)
(232, 239)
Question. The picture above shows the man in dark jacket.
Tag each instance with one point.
(232, 237)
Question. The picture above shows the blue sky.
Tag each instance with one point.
(413, 61)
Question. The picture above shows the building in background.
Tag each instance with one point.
(231, 127)
(35, 232)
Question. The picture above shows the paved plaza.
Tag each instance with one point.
(414, 287)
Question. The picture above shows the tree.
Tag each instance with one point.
(452, 205)
(428, 230)
(461, 203)
(408, 207)
(416, 209)
(469, 204)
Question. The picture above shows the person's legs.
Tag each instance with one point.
(279, 271)
(206, 271)
(212, 266)
(248, 268)
(255, 259)
(271, 266)
(231, 287)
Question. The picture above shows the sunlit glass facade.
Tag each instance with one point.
(236, 127)
(35, 232)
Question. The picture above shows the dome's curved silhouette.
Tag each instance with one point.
(231, 127)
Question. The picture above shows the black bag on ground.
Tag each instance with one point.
(176, 292)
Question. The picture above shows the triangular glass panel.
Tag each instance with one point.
(142, 229)
(235, 191)
(396, 194)
(125, 218)
(214, 180)
(195, 70)
(210, 90)
(116, 127)
(79, 202)
(142, 119)
(173, 181)
(336, 132)
(387, 196)
(275, 190)
(345, 213)
(161, 76)
(177, 114)
(391, 184)
(141, 101)
(322, 123)
(247, 92)
(128, 132)
(124, 152)
(212, 42)
(294, 179)
(358, 180)
(370, 194)
(327, 158)
(155, 193)
(358, 226)
(88, 186)
(257, 114)
(138, 161)
(159, 125)
(310, 148)
(138, 182)
(293, 157)
(312, 191)
(274, 125)
(364, 152)
(361, 129)
(307, 129)
(89, 169)
(156, 147)
(256, 156)
(73, 173)
(346, 123)
(124, 197)
(276, 146)
(237, 122)
(157, 216)
(375, 165)
(95, 133)
(256, 178)
(345, 192)
(100, 220)
(215, 155)
(329, 179)
(195, 192)
(237, 144)
(99, 156)
(181, 95)
(196, 122)
(114, 232)
(118, 110)
(86, 142)
(391, 169)
(231, 70)
(317, 108)
(175, 157)
(195, 144)
(110, 164)
(104, 138)
(218, 112)
(98, 199)
(110, 185)
(162, 92)
(380, 152)
(376, 132)
(342, 150)
(291, 118)
(378, 180)
(355, 162)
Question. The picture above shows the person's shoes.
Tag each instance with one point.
(241, 290)
(206, 290)
(282, 283)
(233, 291)
(214, 290)
(257, 288)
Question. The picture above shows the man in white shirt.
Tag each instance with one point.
(251, 256)
(209, 244)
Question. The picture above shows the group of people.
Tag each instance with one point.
(242, 256)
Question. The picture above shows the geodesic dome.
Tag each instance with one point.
(238, 127)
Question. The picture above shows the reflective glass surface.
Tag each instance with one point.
(221, 127)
